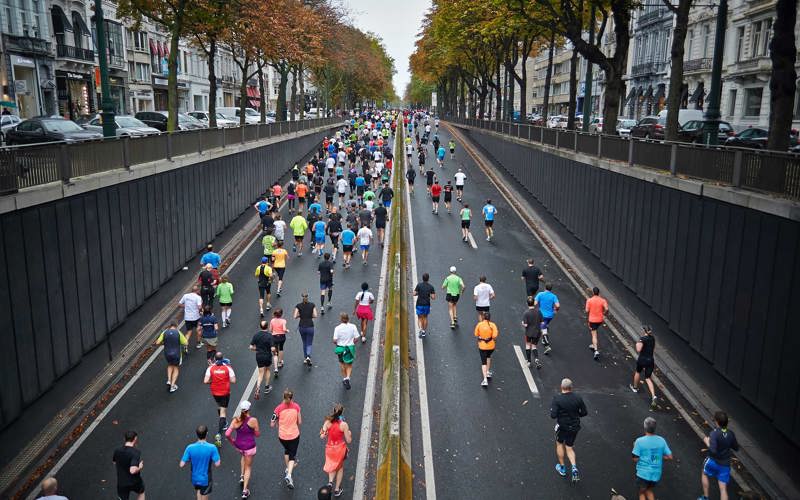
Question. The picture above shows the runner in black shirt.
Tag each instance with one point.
(411, 174)
(567, 408)
(306, 311)
(262, 345)
(531, 321)
(334, 230)
(425, 293)
(380, 221)
(325, 281)
(330, 190)
(448, 195)
(646, 347)
(429, 176)
(128, 461)
(267, 221)
(365, 217)
(532, 275)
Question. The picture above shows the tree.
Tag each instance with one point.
(244, 39)
(681, 12)
(782, 84)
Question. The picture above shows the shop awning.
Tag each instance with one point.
(639, 92)
(253, 92)
(660, 92)
(8, 104)
(255, 103)
(81, 24)
(649, 92)
(153, 48)
(60, 20)
(161, 51)
(630, 97)
(698, 92)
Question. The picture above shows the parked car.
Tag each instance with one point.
(8, 122)
(596, 125)
(649, 127)
(624, 126)
(126, 125)
(251, 116)
(48, 129)
(221, 120)
(692, 131)
(158, 120)
(557, 121)
(684, 115)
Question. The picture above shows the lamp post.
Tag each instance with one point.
(587, 89)
(712, 115)
(106, 103)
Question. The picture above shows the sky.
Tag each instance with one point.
(397, 22)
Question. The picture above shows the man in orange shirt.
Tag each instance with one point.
(596, 308)
(486, 331)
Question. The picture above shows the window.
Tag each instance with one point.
(732, 102)
(24, 17)
(755, 39)
(9, 21)
(752, 101)
(706, 39)
(142, 72)
(132, 70)
(739, 44)
(767, 36)
(138, 40)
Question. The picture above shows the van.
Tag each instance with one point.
(684, 115)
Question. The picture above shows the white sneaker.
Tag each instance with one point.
(173, 388)
(489, 374)
(485, 383)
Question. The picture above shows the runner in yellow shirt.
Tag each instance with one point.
(299, 226)
(279, 258)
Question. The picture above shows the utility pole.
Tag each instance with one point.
(107, 104)
(587, 89)
(712, 116)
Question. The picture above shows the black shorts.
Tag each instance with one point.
(263, 361)
(435, 199)
(223, 401)
(301, 199)
(380, 224)
(226, 304)
(566, 437)
(190, 325)
(334, 240)
(459, 188)
(535, 339)
(595, 326)
(299, 239)
(263, 291)
(278, 341)
(645, 484)
(646, 366)
(290, 447)
(280, 271)
(531, 291)
(429, 182)
(124, 492)
(329, 199)
(347, 248)
(452, 298)
(448, 197)
(410, 182)
(483, 309)
(488, 223)
(359, 190)
(485, 355)
(204, 489)
(465, 224)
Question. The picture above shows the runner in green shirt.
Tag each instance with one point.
(299, 226)
(453, 285)
(268, 241)
(452, 146)
(466, 216)
(225, 295)
(369, 195)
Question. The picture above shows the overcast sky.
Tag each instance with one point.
(397, 23)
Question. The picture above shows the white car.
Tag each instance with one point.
(624, 126)
(557, 121)
(251, 116)
(221, 120)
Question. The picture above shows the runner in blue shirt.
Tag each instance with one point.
(548, 305)
(315, 208)
(440, 154)
(348, 238)
(210, 257)
(319, 237)
(262, 206)
(200, 455)
(489, 211)
(361, 184)
(649, 453)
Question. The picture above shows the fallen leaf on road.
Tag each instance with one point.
(524, 402)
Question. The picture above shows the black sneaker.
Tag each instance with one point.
(267, 389)
(347, 384)
(338, 493)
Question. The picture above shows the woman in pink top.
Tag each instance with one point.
(246, 429)
(288, 419)
(339, 436)
(277, 326)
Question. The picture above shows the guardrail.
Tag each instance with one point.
(767, 171)
(27, 166)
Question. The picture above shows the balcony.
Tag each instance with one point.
(751, 66)
(116, 61)
(697, 65)
(26, 44)
(78, 53)
(648, 68)
(651, 16)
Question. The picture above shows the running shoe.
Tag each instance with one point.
(261, 313)
(654, 403)
(269, 306)
(308, 360)
(363, 339)
(485, 383)
(218, 440)
(538, 365)
(452, 325)
(173, 388)
(591, 347)
(489, 374)
(289, 482)
(488, 238)
(299, 254)
(632, 388)
(322, 311)
(422, 334)
(245, 493)
(199, 345)
(529, 363)
(575, 476)
(267, 389)
(294, 248)
(338, 493)
(275, 372)
(562, 471)
(597, 355)
(346, 383)
(547, 349)
(330, 306)
(169, 383)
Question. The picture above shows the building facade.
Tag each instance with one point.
(649, 74)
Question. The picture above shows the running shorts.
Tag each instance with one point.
(125, 491)
(387, 204)
(174, 360)
(644, 483)
(290, 447)
(278, 341)
(280, 271)
(299, 239)
(566, 437)
(334, 240)
(319, 240)
(329, 199)
(531, 291)
(204, 489)
(595, 326)
(226, 304)
(646, 366)
(380, 224)
(713, 469)
(190, 325)
(347, 248)
(488, 223)
(483, 309)
(545, 322)
(435, 199)
(301, 199)
(485, 355)
(325, 285)
(448, 196)
(465, 224)
(263, 291)
(211, 341)
(223, 401)
(263, 361)
(534, 339)
(459, 187)
(364, 311)
(410, 182)
(452, 298)
(364, 248)
(423, 310)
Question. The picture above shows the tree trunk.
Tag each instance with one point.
(510, 85)
(243, 92)
(262, 104)
(172, 78)
(573, 90)
(523, 91)
(293, 107)
(548, 77)
(211, 57)
(676, 67)
(462, 110)
(302, 86)
(482, 101)
(498, 105)
(782, 84)
(283, 71)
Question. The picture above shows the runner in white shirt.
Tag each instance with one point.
(341, 188)
(344, 336)
(460, 177)
(409, 150)
(330, 164)
(280, 227)
(363, 309)
(192, 305)
(342, 157)
(483, 293)
(376, 156)
(364, 239)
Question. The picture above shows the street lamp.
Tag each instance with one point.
(712, 116)
(107, 104)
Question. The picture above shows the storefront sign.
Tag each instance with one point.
(21, 86)
(159, 81)
(22, 61)
(76, 76)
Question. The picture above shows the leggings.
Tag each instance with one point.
(307, 334)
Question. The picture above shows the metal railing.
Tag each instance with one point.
(767, 171)
(74, 52)
(27, 166)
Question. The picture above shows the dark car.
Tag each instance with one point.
(753, 137)
(48, 129)
(692, 131)
(158, 120)
(649, 127)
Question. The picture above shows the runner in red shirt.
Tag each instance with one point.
(436, 192)
(220, 376)
(596, 308)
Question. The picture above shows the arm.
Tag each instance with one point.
(253, 423)
(639, 346)
(348, 436)
(556, 307)
(582, 409)
(296, 313)
(314, 312)
(207, 377)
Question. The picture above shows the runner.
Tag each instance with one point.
(361, 187)
(173, 341)
(460, 177)
(329, 189)
(210, 328)
(531, 322)
(386, 194)
(466, 219)
(277, 326)
(291, 194)
(306, 311)
(247, 430)
(596, 308)
(649, 453)
(548, 305)
(341, 188)
(225, 294)
(128, 461)
(425, 293)
(364, 239)
(448, 195)
(210, 257)
(320, 228)
(486, 332)
(280, 228)
(325, 270)
(452, 146)
(348, 239)
(302, 192)
(411, 175)
(192, 305)
(532, 275)
(344, 336)
(482, 294)
(430, 178)
(338, 436)
(264, 276)
(208, 282)
(288, 418)
(440, 155)
(362, 309)
(201, 454)
(380, 213)
(489, 211)
(720, 442)
(334, 232)
(645, 364)
(453, 285)
(49, 490)
(421, 160)
(267, 221)
(262, 206)
(219, 377)
(261, 344)
(279, 258)
(435, 190)
(567, 408)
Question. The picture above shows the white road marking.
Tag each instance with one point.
(422, 384)
(365, 435)
(523, 363)
(247, 391)
(472, 241)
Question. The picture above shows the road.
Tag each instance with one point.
(498, 442)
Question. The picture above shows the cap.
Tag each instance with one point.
(264, 260)
(245, 406)
(452, 269)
